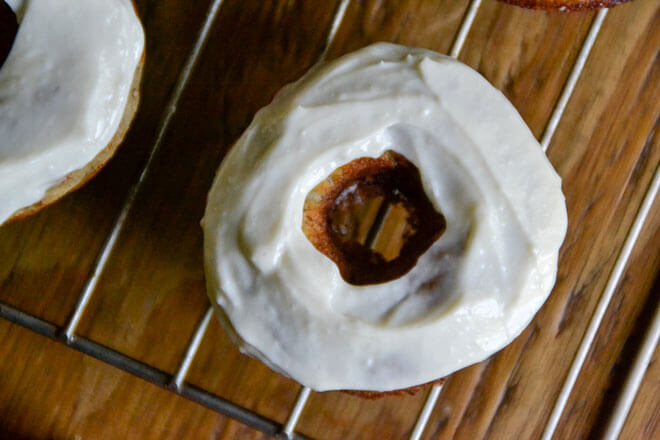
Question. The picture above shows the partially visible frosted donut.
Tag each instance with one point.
(470, 294)
(66, 89)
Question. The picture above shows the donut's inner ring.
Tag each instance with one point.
(372, 218)
(8, 30)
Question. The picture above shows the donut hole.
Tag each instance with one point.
(8, 30)
(372, 218)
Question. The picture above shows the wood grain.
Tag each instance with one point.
(517, 51)
(625, 322)
(425, 23)
(617, 344)
(151, 294)
(644, 418)
(52, 392)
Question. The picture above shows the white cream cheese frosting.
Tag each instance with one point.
(285, 303)
(63, 91)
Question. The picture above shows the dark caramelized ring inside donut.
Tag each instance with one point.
(372, 218)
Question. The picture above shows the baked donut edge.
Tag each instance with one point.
(80, 177)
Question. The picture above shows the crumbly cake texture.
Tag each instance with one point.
(78, 178)
(566, 5)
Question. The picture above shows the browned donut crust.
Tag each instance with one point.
(567, 5)
(372, 395)
(78, 178)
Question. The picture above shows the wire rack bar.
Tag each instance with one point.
(457, 46)
(603, 303)
(303, 395)
(634, 380)
(425, 414)
(580, 61)
(336, 22)
(143, 371)
(301, 401)
(548, 133)
(176, 382)
(191, 350)
(120, 221)
(463, 31)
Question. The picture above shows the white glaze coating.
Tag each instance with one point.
(63, 91)
(286, 304)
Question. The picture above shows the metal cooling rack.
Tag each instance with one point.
(176, 383)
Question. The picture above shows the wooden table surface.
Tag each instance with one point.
(151, 293)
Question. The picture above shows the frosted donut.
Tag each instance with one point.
(68, 93)
(474, 289)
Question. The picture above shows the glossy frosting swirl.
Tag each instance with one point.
(470, 294)
(63, 91)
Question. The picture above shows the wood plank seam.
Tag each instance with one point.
(513, 376)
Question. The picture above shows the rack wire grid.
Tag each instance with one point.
(176, 383)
